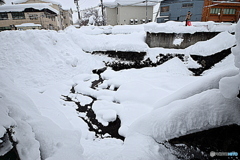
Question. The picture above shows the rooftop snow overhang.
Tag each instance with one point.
(48, 1)
(22, 7)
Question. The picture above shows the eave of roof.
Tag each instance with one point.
(22, 7)
(48, 1)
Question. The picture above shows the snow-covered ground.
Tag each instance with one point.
(154, 104)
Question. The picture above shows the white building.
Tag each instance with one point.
(120, 12)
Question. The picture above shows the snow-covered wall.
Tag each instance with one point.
(169, 40)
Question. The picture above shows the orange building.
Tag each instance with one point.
(221, 11)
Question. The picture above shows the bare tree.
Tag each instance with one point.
(91, 17)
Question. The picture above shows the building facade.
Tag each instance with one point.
(221, 11)
(202, 10)
(117, 13)
(35, 12)
(176, 10)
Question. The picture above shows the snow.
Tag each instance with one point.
(29, 24)
(124, 42)
(174, 119)
(168, 27)
(220, 42)
(49, 1)
(177, 41)
(179, 27)
(230, 86)
(22, 7)
(199, 112)
(30, 127)
(154, 104)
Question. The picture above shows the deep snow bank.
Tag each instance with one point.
(199, 112)
(30, 127)
(33, 53)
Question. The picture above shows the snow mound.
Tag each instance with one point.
(202, 84)
(200, 112)
(223, 40)
(175, 66)
(134, 42)
(34, 53)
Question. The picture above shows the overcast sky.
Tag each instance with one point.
(70, 3)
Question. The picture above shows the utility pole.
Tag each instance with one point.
(79, 17)
(103, 18)
(158, 12)
(146, 12)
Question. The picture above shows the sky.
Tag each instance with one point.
(70, 3)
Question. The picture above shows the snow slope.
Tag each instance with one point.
(56, 55)
(30, 127)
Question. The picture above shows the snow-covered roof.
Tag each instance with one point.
(49, 1)
(29, 25)
(22, 7)
(115, 3)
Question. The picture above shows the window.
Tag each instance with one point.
(187, 5)
(165, 9)
(3, 16)
(4, 28)
(33, 16)
(215, 10)
(18, 15)
(229, 11)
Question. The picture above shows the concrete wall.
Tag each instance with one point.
(166, 40)
(111, 16)
(123, 14)
(126, 13)
(178, 13)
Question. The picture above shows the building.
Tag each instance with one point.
(176, 10)
(221, 11)
(32, 13)
(202, 10)
(120, 12)
(67, 18)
